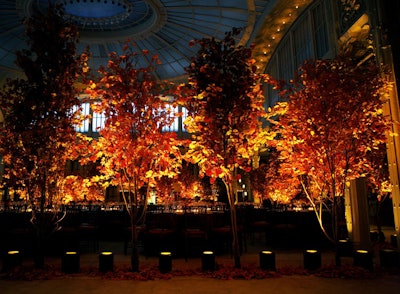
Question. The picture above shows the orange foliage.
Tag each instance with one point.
(332, 127)
(133, 150)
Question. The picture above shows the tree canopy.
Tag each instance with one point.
(133, 150)
(225, 108)
(224, 100)
(331, 127)
(39, 120)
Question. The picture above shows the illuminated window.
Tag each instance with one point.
(98, 121)
(84, 126)
(94, 121)
(177, 124)
(174, 125)
(183, 118)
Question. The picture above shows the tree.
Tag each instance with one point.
(264, 183)
(133, 150)
(331, 130)
(225, 107)
(38, 127)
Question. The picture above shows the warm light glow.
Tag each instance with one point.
(266, 252)
(279, 196)
(165, 253)
(13, 252)
(70, 253)
(106, 253)
(362, 251)
(208, 252)
(312, 251)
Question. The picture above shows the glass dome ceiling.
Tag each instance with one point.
(93, 10)
(163, 27)
(108, 18)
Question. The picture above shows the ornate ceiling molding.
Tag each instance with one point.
(279, 19)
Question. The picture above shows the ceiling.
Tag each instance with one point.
(163, 27)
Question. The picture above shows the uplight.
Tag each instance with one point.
(362, 251)
(312, 251)
(70, 252)
(266, 252)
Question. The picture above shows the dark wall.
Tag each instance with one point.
(390, 28)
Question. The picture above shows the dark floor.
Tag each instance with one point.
(287, 259)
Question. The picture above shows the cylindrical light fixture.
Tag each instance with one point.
(11, 260)
(363, 258)
(165, 262)
(267, 260)
(374, 236)
(208, 261)
(312, 259)
(344, 247)
(389, 258)
(70, 262)
(106, 261)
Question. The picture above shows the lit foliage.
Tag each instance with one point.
(192, 187)
(38, 128)
(224, 100)
(133, 151)
(331, 128)
(181, 189)
(264, 183)
(225, 107)
(76, 188)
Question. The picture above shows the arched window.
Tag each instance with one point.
(177, 124)
(92, 121)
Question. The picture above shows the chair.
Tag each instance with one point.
(257, 226)
(88, 232)
(195, 234)
(221, 235)
(159, 234)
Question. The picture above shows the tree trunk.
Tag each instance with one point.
(135, 256)
(235, 237)
(38, 255)
(378, 222)
(134, 240)
(233, 213)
